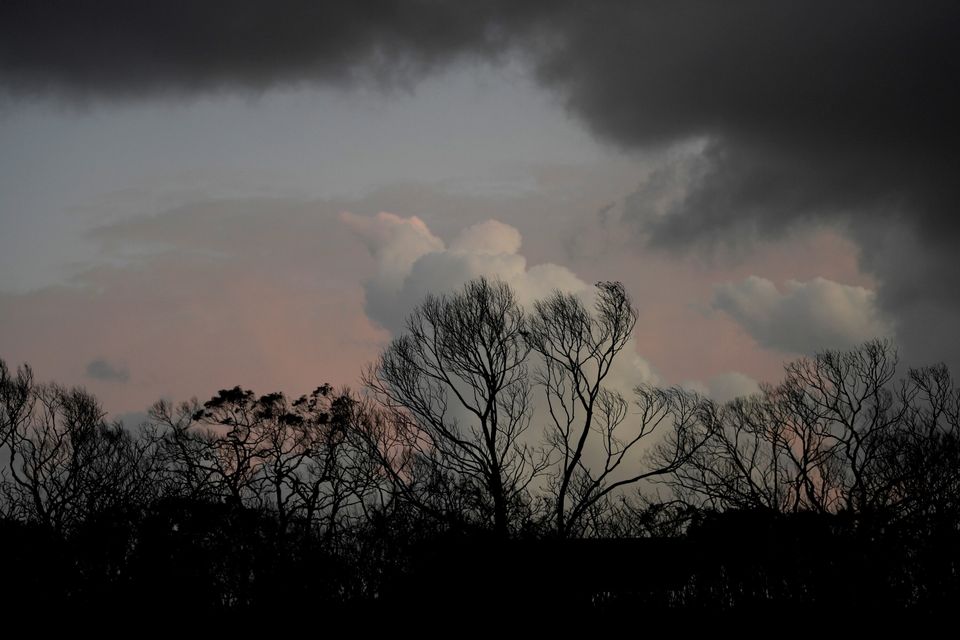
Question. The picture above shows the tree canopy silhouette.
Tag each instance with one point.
(494, 448)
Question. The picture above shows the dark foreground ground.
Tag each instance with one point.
(208, 560)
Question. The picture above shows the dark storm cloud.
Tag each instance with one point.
(813, 111)
(101, 369)
(120, 48)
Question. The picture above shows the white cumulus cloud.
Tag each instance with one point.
(805, 317)
(412, 262)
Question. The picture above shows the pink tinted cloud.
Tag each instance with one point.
(275, 312)
(269, 294)
(680, 333)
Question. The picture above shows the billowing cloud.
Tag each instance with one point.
(489, 248)
(396, 243)
(412, 263)
(100, 369)
(490, 237)
(805, 317)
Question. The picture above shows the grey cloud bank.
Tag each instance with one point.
(812, 112)
(90, 48)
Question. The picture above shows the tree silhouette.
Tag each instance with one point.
(578, 348)
(64, 462)
(457, 385)
(300, 460)
(838, 435)
(840, 483)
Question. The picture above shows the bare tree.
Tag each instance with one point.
(299, 460)
(822, 440)
(846, 397)
(65, 463)
(336, 482)
(457, 385)
(921, 463)
(186, 453)
(578, 349)
(744, 462)
(595, 453)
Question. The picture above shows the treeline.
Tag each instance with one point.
(493, 454)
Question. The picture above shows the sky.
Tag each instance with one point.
(200, 195)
